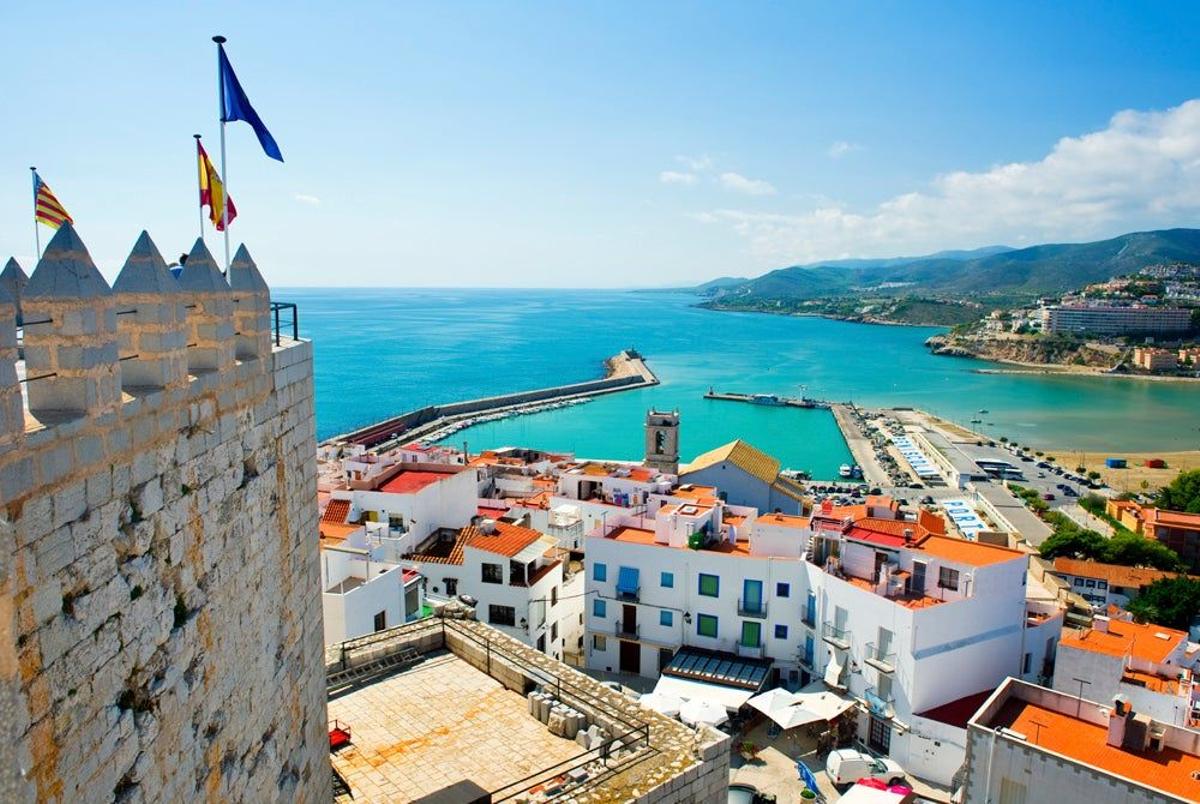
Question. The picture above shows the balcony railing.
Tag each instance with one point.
(809, 618)
(751, 651)
(629, 595)
(752, 608)
(627, 631)
(838, 637)
(805, 659)
(881, 659)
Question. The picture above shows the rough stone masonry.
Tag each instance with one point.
(160, 614)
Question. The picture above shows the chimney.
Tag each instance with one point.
(1100, 623)
(908, 535)
(1121, 712)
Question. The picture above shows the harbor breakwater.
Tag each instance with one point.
(625, 371)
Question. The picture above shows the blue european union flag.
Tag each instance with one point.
(236, 106)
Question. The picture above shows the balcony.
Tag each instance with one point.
(752, 608)
(880, 703)
(628, 594)
(625, 631)
(838, 637)
(882, 659)
(805, 658)
(809, 618)
(750, 651)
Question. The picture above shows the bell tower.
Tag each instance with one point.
(662, 441)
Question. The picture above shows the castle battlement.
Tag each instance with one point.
(160, 614)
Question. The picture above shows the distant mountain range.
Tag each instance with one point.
(990, 271)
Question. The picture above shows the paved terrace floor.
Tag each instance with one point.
(409, 738)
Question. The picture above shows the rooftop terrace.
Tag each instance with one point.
(440, 701)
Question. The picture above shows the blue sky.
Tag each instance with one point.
(604, 144)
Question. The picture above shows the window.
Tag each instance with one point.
(1025, 665)
(1101, 584)
(948, 578)
(599, 642)
(666, 618)
(381, 621)
(710, 585)
(706, 625)
(667, 580)
(502, 615)
(781, 632)
(783, 590)
(1078, 582)
(916, 584)
(553, 595)
(751, 633)
(599, 573)
(599, 608)
(493, 573)
(1090, 584)
(553, 631)
(451, 586)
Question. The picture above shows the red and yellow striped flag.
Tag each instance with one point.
(46, 208)
(212, 191)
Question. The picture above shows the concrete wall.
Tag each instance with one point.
(741, 488)
(161, 626)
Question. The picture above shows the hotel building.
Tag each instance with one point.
(1104, 320)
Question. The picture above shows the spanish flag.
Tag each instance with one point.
(46, 208)
(212, 191)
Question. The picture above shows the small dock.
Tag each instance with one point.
(769, 400)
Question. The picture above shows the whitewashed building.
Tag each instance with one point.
(1153, 666)
(911, 624)
(362, 592)
(1030, 744)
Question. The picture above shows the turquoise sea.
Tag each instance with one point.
(380, 352)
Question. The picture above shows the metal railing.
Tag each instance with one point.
(623, 630)
(754, 608)
(881, 705)
(880, 659)
(809, 618)
(629, 596)
(838, 636)
(277, 313)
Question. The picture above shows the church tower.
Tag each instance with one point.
(662, 441)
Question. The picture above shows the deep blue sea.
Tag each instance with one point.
(380, 352)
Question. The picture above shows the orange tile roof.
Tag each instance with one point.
(1172, 519)
(1126, 638)
(335, 531)
(336, 511)
(634, 535)
(408, 481)
(1114, 574)
(1169, 769)
(507, 540)
(694, 491)
(977, 554)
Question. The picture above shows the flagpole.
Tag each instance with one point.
(199, 186)
(220, 40)
(37, 235)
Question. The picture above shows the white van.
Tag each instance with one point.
(846, 766)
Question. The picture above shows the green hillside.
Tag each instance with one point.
(1045, 269)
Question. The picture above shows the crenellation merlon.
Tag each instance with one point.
(151, 320)
(209, 301)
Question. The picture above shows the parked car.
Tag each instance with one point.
(845, 766)
(1048, 497)
(1070, 492)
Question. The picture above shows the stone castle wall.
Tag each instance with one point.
(160, 613)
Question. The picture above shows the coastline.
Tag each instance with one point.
(1072, 371)
(827, 316)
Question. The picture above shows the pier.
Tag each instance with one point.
(861, 447)
(625, 371)
(769, 400)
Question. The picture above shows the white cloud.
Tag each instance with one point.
(739, 183)
(841, 148)
(676, 177)
(1142, 171)
(307, 199)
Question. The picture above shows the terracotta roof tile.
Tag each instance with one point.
(750, 460)
(1114, 574)
(1169, 769)
(1152, 643)
(507, 540)
(336, 511)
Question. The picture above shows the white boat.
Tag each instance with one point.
(844, 470)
